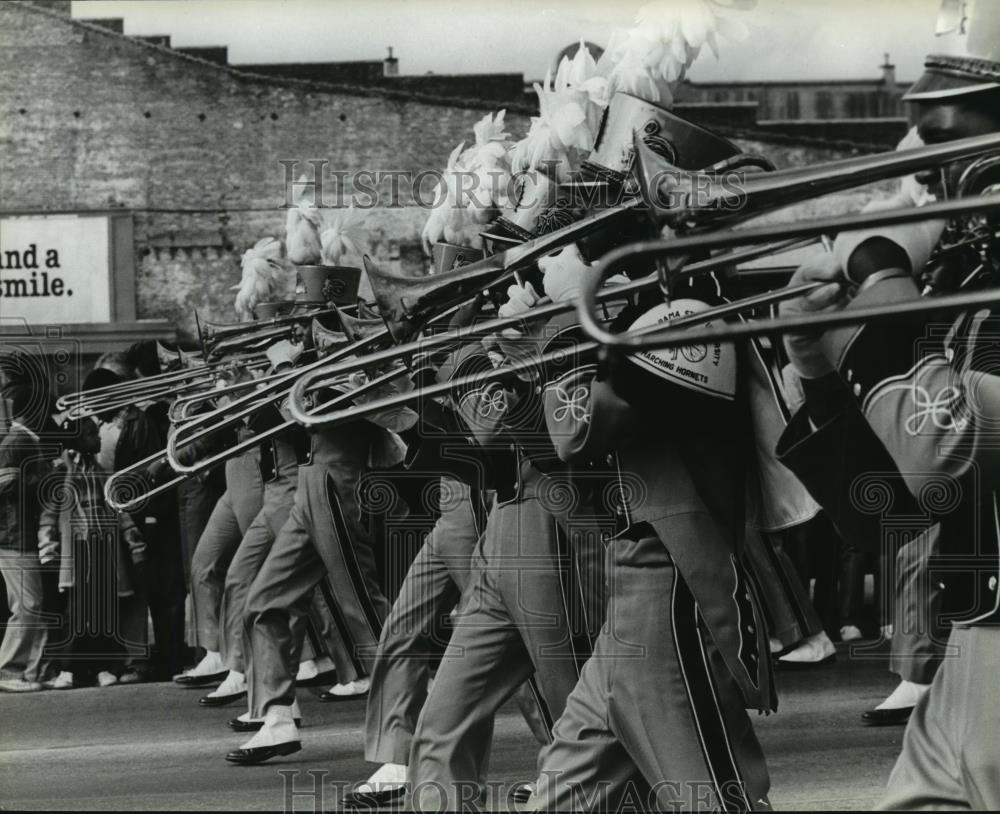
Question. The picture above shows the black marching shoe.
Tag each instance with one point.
(200, 681)
(221, 700)
(332, 698)
(886, 717)
(237, 725)
(374, 799)
(258, 754)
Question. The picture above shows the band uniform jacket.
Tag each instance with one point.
(683, 474)
(910, 426)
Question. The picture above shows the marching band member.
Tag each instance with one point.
(228, 523)
(417, 629)
(679, 600)
(280, 459)
(322, 538)
(535, 598)
(927, 397)
(677, 428)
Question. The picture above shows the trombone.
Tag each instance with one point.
(310, 382)
(134, 498)
(274, 389)
(406, 312)
(678, 332)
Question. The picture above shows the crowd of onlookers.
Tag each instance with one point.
(83, 581)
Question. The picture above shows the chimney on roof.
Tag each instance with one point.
(390, 65)
(888, 74)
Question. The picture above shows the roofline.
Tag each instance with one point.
(389, 94)
(364, 91)
(786, 82)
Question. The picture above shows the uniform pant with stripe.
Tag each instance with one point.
(322, 539)
(418, 628)
(229, 521)
(655, 721)
(919, 638)
(533, 605)
(197, 497)
(317, 634)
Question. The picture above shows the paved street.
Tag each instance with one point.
(152, 747)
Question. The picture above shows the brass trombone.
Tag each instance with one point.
(113, 397)
(406, 311)
(677, 198)
(664, 336)
(133, 499)
(324, 339)
(222, 335)
(678, 332)
(686, 200)
(313, 381)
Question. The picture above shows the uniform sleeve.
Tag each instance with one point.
(848, 471)
(930, 391)
(487, 408)
(585, 417)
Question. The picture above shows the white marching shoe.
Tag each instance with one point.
(906, 694)
(63, 681)
(897, 707)
(278, 736)
(347, 691)
(814, 651)
(850, 633)
(207, 671)
(385, 786)
(232, 689)
(247, 723)
(106, 679)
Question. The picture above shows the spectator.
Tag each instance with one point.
(24, 404)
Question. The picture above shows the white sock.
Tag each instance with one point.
(815, 648)
(246, 717)
(307, 670)
(234, 682)
(278, 728)
(356, 687)
(850, 633)
(387, 777)
(906, 694)
(211, 663)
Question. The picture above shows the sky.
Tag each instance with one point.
(805, 39)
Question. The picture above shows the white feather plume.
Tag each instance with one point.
(448, 218)
(302, 230)
(344, 235)
(650, 58)
(264, 274)
(487, 162)
(570, 108)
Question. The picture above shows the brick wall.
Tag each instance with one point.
(93, 120)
